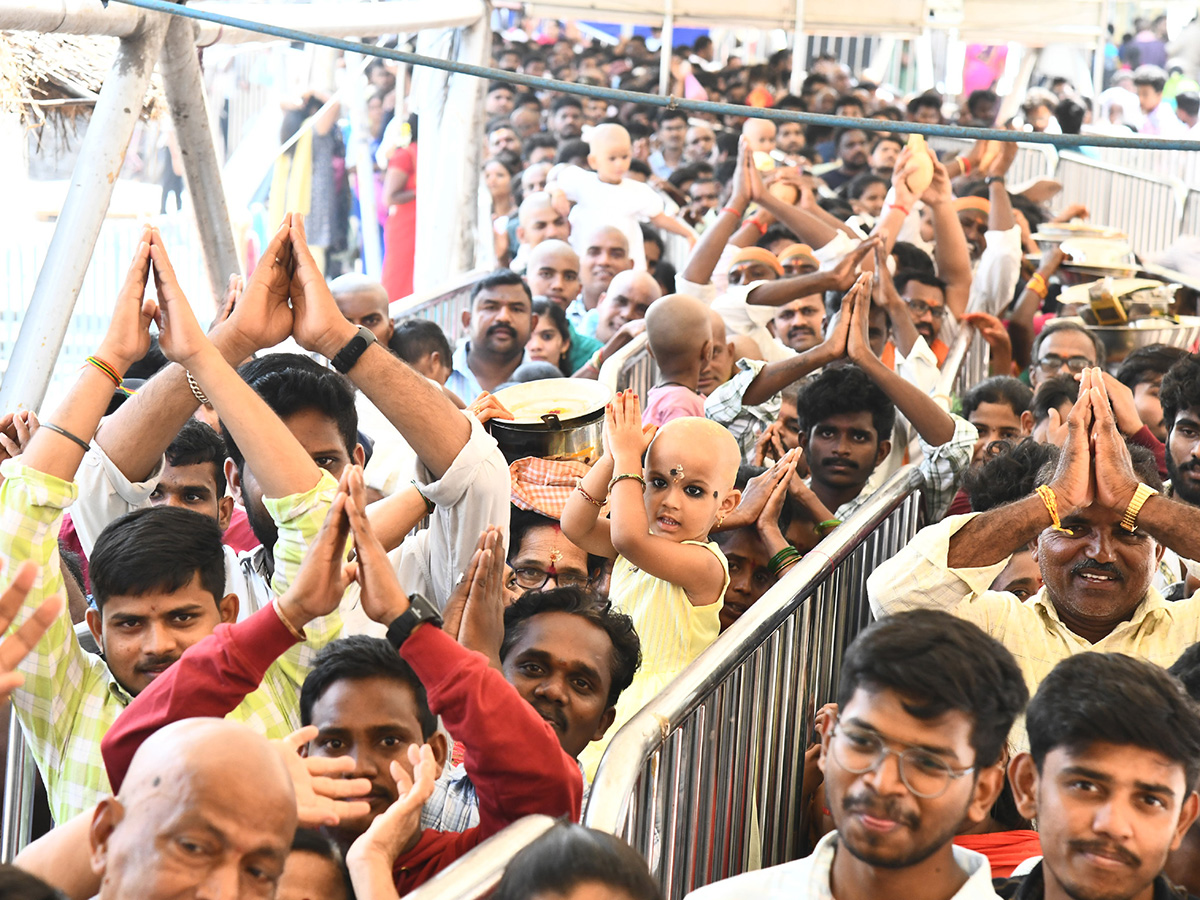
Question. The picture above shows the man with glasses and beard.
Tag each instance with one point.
(925, 702)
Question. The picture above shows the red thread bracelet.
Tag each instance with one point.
(903, 209)
(730, 209)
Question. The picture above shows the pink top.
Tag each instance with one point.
(671, 401)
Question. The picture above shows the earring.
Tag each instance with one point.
(720, 519)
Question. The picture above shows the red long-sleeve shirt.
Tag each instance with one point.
(513, 756)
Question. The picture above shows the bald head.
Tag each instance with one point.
(760, 135)
(364, 302)
(605, 253)
(627, 299)
(680, 334)
(212, 784)
(538, 220)
(607, 135)
(713, 442)
(553, 272)
(554, 251)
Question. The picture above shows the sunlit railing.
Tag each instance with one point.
(476, 873)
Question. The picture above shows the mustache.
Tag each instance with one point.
(800, 329)
(553, 713)
(835, 461)
(156, 662)
(879, 808)
(1106, 849)
(502, 329)
(1089, 565)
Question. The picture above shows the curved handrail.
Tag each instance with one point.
(476, 873)
(955, 358)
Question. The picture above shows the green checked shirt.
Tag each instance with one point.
(70, 698)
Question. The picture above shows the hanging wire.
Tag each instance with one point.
(700, 106)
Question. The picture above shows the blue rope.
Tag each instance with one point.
(704, 106)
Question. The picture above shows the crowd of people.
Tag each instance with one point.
(290, 617)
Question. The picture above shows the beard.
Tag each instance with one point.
(1180, 486)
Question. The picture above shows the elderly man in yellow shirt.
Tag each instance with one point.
(1099, 529)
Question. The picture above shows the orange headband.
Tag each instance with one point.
(759, 255)
(976, 203)
(801, 251)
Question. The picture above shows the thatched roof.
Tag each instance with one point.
(60, 74)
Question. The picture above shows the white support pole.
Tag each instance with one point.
(450, 108)
(187, 99)
(19, 772)
(364, 166)
(799, 52)
(668, 44)
(61, 277)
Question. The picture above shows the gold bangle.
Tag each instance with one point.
(627, 475)
(1037, 284)
(1051, 502)
(599, 504)
(297, 633)
(1143, 493)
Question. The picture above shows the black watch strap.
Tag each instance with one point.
(349, 355)
(419, 611)
(992, 179)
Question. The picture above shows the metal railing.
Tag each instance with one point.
(476, 873)
(707, 779)
(444, 306)
(966, 365)
(19, 773)
(631, 367)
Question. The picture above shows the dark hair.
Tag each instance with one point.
(1144, 363)
(1068, 325)
(842, 132)
(911, 257)
(531, 57)
(496, 123)
(1051, 394)
(356, 658)
(1005, 389)
(775, 233)
(157, 548)
(1187, 670)
(552, 312)
(844, 389)
(1150, 75)
(17, 884)
(669, 115)
(591, 607)
(1112, 698)
(526, 98)
(1188, 102)
(415, 338)
(929, 99)
(892, 113)
(857, 186)
(308, 840)
(495, 86)
(499, 278)
(978, 97)
(812, 81)
(1010, 473)
(1069, 113)
(572, 150)
(702, 43)
(522, 520)
(290, 383)
(199, 444)
(569, 855)
(848, 100)
(149, 365)
(887, 137)
(538, 141)
(1142, 459)
(695, 171)
(640, 167)
(1180, 389)
(920, 276)
(564, 101)
(936, 663)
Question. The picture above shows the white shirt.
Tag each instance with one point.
(623, 206)
(393, 462)
(808, 878)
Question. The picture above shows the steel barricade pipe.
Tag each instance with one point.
(784, 657)
(444, 306)
(19, 771)
(475, 874)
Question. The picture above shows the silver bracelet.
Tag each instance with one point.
(196, 392)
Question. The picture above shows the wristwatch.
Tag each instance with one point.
(991, 179)
(419, 610)
(349, 355)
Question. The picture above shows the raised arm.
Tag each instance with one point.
(775, 376)
(581, 521)
(950, 251)
(839, 278)
(904, 332)
(279, 462)
(431, 424)
(810, 225)
(702, 261)
(691, 567)
(933, 424)
(136, 435)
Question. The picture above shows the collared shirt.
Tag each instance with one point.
(70, 698)
(1033, 887)
(942, 468)
(725, 405)
(454, 805)
(462, 380)
(918, 577)
(808, 878)
(996, 274)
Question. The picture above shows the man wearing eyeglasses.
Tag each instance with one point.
(925, 296)
(914, 755)
(1064, 347)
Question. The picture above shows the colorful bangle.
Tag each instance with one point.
(196, 392)
(106, 367)
(827, 526)
(1051, 503)
(903, 209)
(966, 165)
(730, 209)
(430, 506)
(1037, 284)
(627, 475)
(762, 229)
(784, 558)
(78, 440)
(599, 504)
(597, 359)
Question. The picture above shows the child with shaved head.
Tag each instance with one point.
(669, 577)
(605, 196)
(679, 331)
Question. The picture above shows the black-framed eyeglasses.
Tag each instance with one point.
(924, 773)
(530, 578)
(1051, 363)
(920, 308)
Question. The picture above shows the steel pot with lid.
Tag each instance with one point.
(554, 418)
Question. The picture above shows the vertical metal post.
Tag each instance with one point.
(668, 44)
(86, 205)
(364, 167)
(188, 102)
(18, 793)
(799, 52)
